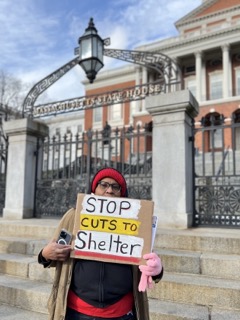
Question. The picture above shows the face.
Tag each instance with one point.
(108, 187)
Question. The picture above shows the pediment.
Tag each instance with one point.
(208, 8)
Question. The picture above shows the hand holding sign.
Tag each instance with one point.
(153, 268)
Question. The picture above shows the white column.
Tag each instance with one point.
(226, 71)
(204, 80)
(138, 82)
(198, 63)
(144, 80)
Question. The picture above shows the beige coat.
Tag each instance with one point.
(57, 302)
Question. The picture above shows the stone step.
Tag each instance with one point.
(13, 313)
(223, 241)
(166, 310)
(25, 267)
(21, 245)
(38, 273)
(28, 228)
(24, 293)
(180, 261)
(159, 310)
(187, 289)
(174, 261)
(198, 290)
(201, 279)
(27, 300)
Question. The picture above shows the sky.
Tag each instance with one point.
(39, 36)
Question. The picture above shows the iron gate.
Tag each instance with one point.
(217, 173)
(66, 165)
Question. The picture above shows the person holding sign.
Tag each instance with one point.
(86, 289)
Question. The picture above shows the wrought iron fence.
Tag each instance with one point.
(217, 174)
(3, 169)
(66, 165)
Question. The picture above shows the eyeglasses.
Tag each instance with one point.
(105, 185)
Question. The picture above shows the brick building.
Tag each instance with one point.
(207, 51)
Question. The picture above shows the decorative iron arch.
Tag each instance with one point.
(168, 70)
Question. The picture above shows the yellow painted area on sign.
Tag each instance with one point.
(109, 224)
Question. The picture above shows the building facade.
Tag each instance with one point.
(207, 51)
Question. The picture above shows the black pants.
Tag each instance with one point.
(74, 315)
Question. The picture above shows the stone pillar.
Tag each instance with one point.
(144, 80)
(226, 71)
(138, 82)
(172, 157)
(199, 80)
(21, 167)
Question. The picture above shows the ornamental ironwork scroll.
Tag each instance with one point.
(167, 69)
(217, 173)
(44, 84)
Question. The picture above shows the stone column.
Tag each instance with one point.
(198, 58)
(138, 82)
(226, 71)
(21, 167)
(144, 81)
(172, 157)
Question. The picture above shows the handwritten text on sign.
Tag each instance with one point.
(110, 229)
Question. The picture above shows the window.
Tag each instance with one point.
(216, 86)
(133, 110)
(79, 128)
(115, 112)
(238, 82)
(67, 161)
(190, 69)
(58, 131)
(56, 147)
(236, 130)
(133, 107)
(212, 120)
(45, 165)
(97, 114)
(216, 138)
(55, 164)
(190, 84)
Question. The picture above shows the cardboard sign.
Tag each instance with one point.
(112, 229)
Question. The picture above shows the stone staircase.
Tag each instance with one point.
(201, 279)
(24, 284)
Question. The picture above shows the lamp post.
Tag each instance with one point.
(90, 51)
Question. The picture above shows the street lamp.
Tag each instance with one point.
(90, 51)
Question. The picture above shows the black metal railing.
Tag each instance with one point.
(66, 165)
(217, 175)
